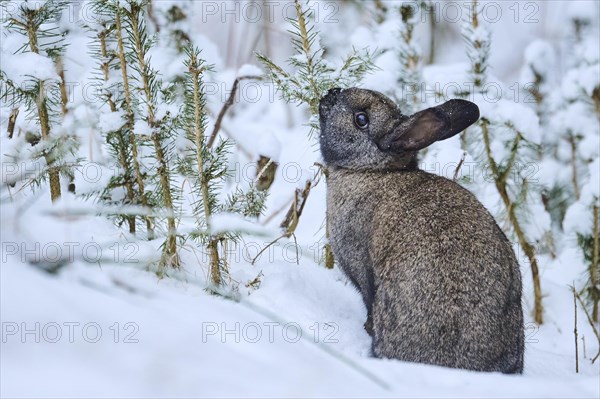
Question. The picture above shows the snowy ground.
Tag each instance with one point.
(105, 330)
(81, 315)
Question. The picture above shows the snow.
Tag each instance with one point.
(523, 118)
(167, 61)
(589, 50)
(581, 79)
(269, 146)
(22, 67)
(540, 55)
(121, 332)
(574, 118)
(300, 58)
(480, 34)
(550, 171)
(210, 51)
(142, 128)
(224, 222)
(582, 10)
(591, 192)
(578, 219)
(362, 37)
(538, 222)
(446, 79)
(165, 109)
(380, 80)
(111, 121)
(589, 79)
(588, 145)
(249, 70)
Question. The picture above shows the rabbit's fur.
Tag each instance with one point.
(439, 278)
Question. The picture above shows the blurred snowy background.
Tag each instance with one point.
(94, 303)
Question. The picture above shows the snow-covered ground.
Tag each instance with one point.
(84, 315)
(97, 329)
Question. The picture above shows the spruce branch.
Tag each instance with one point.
(478, 42)
(123, 143)
(39, 98)
(42, 106)
(195, 71)
(206, 168)
(140, 45)
(130, 122)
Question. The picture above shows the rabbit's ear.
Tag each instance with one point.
(428, 126)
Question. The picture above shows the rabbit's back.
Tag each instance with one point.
(443, 283)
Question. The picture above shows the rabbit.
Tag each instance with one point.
(439, 278)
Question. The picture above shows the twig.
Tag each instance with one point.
(64, 98)
(596, 99)
(588, 317)
(460, 163)
(329, 258)
(278, 211)
(290, 223)
(594, 277)
(267, 32)
(382, 10)
(266, 247)
(432, 29)
(575, 329)
(153, 17)
(296, 247)
(587, 314)
(12, 120)
(226, 106)
(292, 217)
(263, 170)
(574, 178)
(266, 175)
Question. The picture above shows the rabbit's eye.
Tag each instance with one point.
(361, 120)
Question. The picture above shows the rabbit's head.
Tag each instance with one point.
(365, 130)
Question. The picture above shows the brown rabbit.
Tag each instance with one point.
(439, 278)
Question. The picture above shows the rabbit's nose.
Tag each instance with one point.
(329, 100)
(333, 92)
(331, 97)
